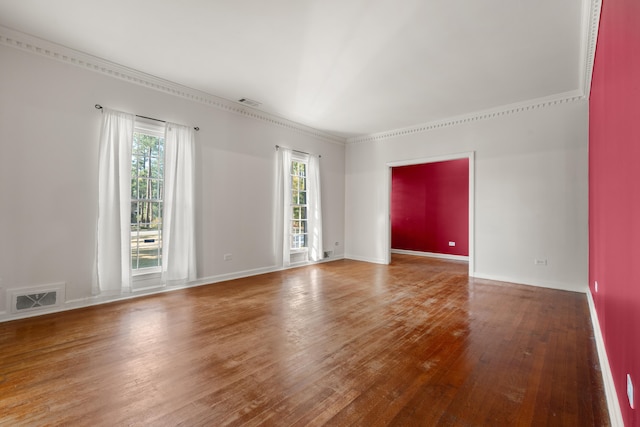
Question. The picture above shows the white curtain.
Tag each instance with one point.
(314, 214)
(178, 244)
(113, 246)
(284, 181)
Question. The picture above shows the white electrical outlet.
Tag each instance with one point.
(630, 391)
(228, 257)
(596, 286)
(540, 262)
(452, 243)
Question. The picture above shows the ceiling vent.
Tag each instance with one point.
(250, 102)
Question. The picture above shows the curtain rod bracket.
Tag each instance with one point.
(99, 107)
(298, 151)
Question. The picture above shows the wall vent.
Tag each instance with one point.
(250, 102)
(36, 298)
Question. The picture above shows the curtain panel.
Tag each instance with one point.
(284, 183)
(178, 245)
(314, 221)
(113, 244)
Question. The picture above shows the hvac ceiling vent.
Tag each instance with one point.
(36, 298)
(250, 102)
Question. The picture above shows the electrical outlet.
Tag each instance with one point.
(337, 243)
(540, 262)
(228, 257)
(452, 243)
(630, 391)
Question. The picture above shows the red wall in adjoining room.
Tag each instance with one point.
(430, 207)
(614, 194)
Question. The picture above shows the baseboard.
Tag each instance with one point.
(307, 263)
(536, 283)
(153, 290)
(236, 275)
(431, 255)
(366, 259)
(615, 414)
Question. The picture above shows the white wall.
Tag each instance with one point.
(531, 189)
(49, 133)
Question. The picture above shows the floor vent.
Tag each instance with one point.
(37, 298)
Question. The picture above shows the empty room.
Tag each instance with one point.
(319, 213)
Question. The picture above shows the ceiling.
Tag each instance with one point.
(346, 67)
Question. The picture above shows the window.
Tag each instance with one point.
(147, 191)
(298, 177)
(146, 217)
(299, 207)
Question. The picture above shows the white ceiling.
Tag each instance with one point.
(347, 67)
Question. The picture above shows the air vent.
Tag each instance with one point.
(36, 298)
(25, 302)
(249, 102)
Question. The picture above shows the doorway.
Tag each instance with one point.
(471, 209)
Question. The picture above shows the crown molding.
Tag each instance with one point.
(28, 43)
(562, 98)
(591, 20)
(590, 23)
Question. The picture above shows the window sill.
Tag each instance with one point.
(144, 272)
(298, 251)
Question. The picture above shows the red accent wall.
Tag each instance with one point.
(614, 193)
(430, 207)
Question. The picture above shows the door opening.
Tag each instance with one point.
(433, 220)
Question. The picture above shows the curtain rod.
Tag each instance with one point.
(298, 151)
(99, 107)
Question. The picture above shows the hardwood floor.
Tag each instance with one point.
(341, 343)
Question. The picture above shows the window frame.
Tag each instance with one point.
(156, 130)
(304, 159)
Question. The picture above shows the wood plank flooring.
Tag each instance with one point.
(342, 343)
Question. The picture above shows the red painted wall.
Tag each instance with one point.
(430, 207)
(614, 193)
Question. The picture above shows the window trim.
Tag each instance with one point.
(154, 129)
(299, 158)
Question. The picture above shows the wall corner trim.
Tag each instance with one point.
(613, 404)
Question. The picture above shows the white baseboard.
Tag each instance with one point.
(366, 259)
(537, 283)
(235, 275)
(613, 404)
(151, 290)
(431, 255)
(307, 263)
